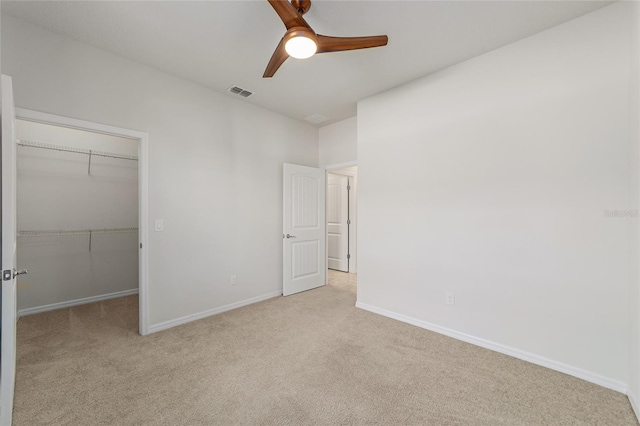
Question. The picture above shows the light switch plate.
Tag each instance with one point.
(159, 226)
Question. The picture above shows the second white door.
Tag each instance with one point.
(338, 222)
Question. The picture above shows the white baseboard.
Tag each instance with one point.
(634, 403)
(517, 353)
(183, 320)
(76, 302)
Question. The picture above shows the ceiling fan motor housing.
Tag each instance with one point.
(302, 6)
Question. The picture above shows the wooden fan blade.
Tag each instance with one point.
(289, 15)
(337, 44)
(279, 56)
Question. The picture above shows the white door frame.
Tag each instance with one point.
(327, 169)
(143, 191)
(9, 258)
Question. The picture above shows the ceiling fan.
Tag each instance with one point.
(300, 41)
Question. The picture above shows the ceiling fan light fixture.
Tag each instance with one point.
(301, 43)
(301, 47)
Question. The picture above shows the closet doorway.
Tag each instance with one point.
(81, 191)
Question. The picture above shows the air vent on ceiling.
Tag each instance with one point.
(240, 91)
(316, 119)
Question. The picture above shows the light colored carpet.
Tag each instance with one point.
(307, 359)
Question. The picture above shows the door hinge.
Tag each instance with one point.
(348, 221)
(348, 187)
(348, 256)
(7, 275)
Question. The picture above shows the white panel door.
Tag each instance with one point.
(303, 229)
(337, 222)
(9, 313)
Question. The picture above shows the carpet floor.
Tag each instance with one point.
(307, 359)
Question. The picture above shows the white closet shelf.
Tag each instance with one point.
(61, 232)
(90, 152)
(56, 232)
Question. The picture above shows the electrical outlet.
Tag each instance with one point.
(451, 299)
(234, 280)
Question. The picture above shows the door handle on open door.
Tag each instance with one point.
(290, 236)
(20, 272)
(8, 275)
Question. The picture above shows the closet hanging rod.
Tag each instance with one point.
(90, 152)
(59, 232)
(89, 232)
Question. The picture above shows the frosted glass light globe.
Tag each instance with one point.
(300, 47)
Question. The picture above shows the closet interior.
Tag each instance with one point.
(77, 204)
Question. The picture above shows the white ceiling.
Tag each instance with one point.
(223, 43)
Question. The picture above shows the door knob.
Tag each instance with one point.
(20, 272)
(290, 236)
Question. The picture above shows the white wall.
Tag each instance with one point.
(215, 165)
(497, 173)
(339, 142)
(634, 160)
(56, 192)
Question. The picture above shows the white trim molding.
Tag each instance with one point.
(210, 312)
(143, 191)
(72, 123)
(76, 302)
(497, 347)
(340, 165)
